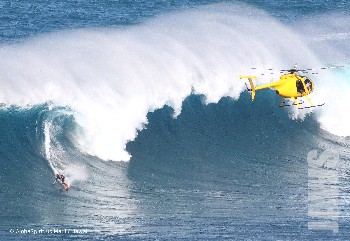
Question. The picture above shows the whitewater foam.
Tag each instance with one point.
(113, 77)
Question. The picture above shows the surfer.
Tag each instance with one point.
(61, 178)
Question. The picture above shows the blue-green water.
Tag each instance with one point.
(20, 20)
(140, 106)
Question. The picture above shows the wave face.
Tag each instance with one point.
(199, 158)
(231, 169)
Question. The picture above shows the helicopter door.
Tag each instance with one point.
(300, 87)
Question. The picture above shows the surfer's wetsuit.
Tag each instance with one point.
(61, 178)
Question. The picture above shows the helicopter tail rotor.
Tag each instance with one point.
(251, 90)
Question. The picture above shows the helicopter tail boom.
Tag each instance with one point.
(252, 87)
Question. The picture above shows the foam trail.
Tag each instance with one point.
(54, 147)
(47, 146)
(112, 78)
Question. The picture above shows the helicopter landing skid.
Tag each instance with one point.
(313, 106)
(283, 103)
(300, 108)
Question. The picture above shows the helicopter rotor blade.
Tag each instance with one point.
(271, 71)
(330, 67)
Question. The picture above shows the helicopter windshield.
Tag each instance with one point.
(301, 86)
(308, 84)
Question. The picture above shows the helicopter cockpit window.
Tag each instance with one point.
(300, 87)
(308, 84)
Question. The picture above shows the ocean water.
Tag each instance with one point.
(139, 104)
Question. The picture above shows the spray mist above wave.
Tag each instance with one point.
(112, 78)
(328, 36)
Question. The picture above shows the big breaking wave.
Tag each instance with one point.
(111, 78)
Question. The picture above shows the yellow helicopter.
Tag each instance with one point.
(290, 85)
